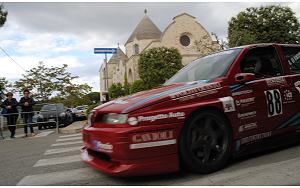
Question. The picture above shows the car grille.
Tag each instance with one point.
(99, 155)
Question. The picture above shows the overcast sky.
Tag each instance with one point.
(67, 33)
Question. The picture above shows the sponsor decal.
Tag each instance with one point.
(294, 59)
(152, 144)
(255, 137)
(297, 85)
(152, 136)
(247, 127)
(242, 92)
(161, 94)
(119, 101)
(178, 115)
(228, 104)
(152, 139)
(276, 81)
(196, 95)
(195, 90)
(288, 97)
(246, 115)
(274, 102)
(245, 102)
(125, 100)
(99, 146)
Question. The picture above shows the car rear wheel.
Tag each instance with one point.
(205, 142)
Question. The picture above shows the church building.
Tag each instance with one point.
(184, 33)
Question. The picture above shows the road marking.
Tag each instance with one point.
(70, 135)
(67, 143)
(58, 160)
(19, 135)
(60, 177)
(44, 133)
(67, 139)
(62, 150)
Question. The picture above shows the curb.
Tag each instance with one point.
(70, 131)
(75, 127)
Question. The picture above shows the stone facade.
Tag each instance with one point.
(183, 33)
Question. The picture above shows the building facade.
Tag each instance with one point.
(184, 33)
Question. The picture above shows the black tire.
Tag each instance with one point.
(39, 126)
(205, 142)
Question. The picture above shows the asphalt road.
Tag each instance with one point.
(53, 159)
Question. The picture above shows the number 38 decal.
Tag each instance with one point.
(274, 102)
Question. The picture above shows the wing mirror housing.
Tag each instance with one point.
(244, 77)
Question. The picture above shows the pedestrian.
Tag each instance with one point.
(1, 120)
(27, 102)
(10, 104)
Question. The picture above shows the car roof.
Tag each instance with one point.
(264, 44)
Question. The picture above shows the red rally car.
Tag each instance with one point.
(231, 102)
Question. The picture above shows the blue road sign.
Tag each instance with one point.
(105, 50)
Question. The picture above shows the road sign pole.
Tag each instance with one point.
(105, 51)
(57, 123)
(106, 72)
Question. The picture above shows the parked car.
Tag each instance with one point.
(80, 112)
(51, 113)
(224, 105)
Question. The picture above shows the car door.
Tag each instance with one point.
(292, 60)
(259, 103)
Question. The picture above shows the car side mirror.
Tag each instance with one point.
(244, 77)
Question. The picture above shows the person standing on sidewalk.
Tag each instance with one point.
(26, 103)
(1, 119)
(12, 114)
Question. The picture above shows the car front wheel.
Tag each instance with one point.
(205, 142)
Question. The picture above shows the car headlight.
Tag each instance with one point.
(113, 118)
(89, 120)
(62, 114)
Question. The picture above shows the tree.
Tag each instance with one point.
(3, 84)
(137, 86)
(45, 82)
(3, 15)
(269, 24)
(206, 46)
(93, 97)
(156, 65)
(116, 90)
(126, 86)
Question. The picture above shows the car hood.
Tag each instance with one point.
(148, 97)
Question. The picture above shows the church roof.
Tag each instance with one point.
(146, 29)
(116, 56)
(182, 15)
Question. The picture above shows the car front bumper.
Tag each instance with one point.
(113, 150)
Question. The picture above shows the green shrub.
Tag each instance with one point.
(116, 90)
(137, 86)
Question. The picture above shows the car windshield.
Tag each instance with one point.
(206, 68)
(80, 108)
(52, 107)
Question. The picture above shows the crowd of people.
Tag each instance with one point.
(10, 111)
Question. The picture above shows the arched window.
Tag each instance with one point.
(130, 76)
(136, 49)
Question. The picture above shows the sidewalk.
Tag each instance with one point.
(75, 127)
